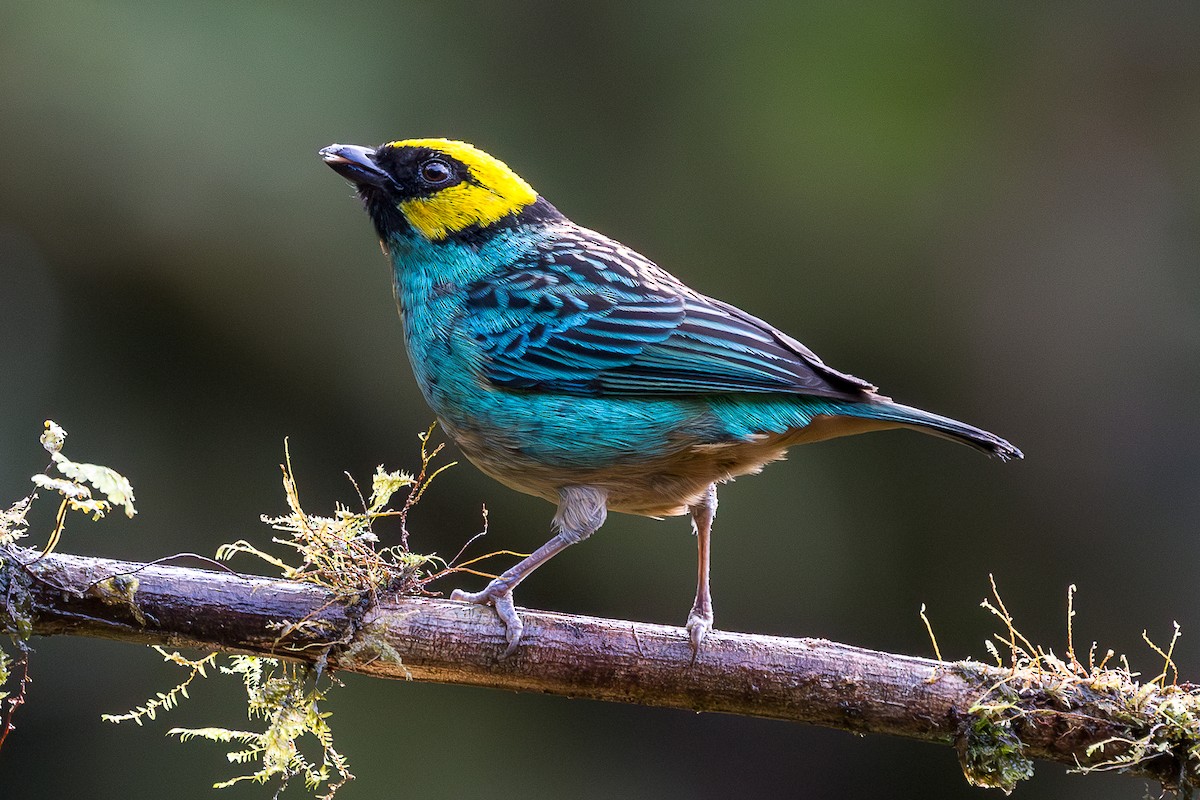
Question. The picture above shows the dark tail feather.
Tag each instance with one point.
(947, 428)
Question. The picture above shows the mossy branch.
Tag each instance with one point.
(997, 717)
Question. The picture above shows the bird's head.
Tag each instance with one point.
(435, 188)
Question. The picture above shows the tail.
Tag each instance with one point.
(952, 429)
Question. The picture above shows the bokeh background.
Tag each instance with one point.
(989, 210)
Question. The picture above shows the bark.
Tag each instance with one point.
(421, 638)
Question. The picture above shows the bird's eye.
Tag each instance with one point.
(436, 171)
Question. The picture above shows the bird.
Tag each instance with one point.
(570, 367)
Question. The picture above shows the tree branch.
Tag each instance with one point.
(995, 717)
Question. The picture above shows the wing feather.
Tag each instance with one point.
(589, 316)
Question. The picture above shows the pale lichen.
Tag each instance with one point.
(15, 617)
(339, 553)
(286, 696)
(165, 701)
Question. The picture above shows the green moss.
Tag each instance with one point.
(341, 554)
(1151, 727)
(119, 590)
(990, 752)
(16, 613)
(287, 697)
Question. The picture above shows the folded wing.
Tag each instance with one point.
(591, 317)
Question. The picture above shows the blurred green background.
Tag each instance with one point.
(989, 210)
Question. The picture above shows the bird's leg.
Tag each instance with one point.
(700, 620)
(581, 511)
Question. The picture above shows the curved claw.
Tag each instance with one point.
(513, 627)
(498, 595)
(698, 625)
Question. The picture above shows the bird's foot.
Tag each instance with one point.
(497, 594)
(699, 623)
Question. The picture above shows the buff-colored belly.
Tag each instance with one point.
(661, 484)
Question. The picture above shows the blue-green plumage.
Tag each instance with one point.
(550, 348)
(570, 367)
